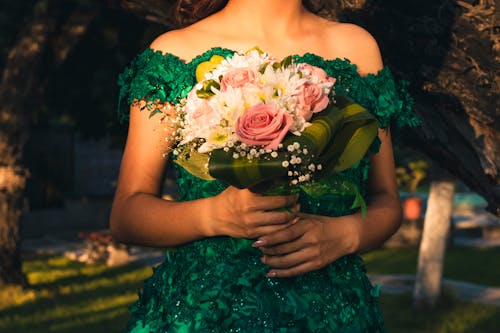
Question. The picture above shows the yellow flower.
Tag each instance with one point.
(207, 66)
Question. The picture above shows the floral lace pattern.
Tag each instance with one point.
(219, 284)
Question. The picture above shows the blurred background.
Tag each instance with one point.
(61, 144)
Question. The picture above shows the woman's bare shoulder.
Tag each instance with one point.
(185, 42)
(174, 41)
(350, 41)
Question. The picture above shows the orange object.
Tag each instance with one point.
(412, 208)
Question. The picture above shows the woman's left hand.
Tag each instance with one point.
(310, 244)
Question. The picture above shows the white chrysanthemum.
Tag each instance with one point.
(229, 104)
(254, 95)
(284, 81)
(216, 137)
(252, 60)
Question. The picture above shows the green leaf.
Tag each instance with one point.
(243, 172)
(206, 91)
(194, 162)
(287, 61)
(263, 69)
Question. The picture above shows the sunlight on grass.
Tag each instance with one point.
(77, 298)
(71, 297)
(11, 296)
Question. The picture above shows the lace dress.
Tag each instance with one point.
(219, 284)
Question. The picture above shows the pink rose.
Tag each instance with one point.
(263, 125)
(317, 73)
(311, 99)
(237, 78)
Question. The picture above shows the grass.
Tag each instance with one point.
(461, 263)
(450, 316)
(72, 297)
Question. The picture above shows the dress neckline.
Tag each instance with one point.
(216, 49)
(225, 51)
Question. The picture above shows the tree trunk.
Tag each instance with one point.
(433, 244)
(20, 84)
(17, 83)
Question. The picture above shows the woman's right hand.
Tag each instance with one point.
(245, 214)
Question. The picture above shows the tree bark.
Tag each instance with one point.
(433, 244)
(156, 11)
(72, 30)
(21, 82)
(449, 51)
(17, 83)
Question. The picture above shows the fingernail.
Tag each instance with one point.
(271, 274)
(295, 220)
(258, 243)
(263, 259)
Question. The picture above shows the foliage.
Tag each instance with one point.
(409, 176)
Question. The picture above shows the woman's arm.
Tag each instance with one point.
(139, 216)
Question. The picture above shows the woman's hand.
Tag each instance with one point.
(244, 214)
(310, 244)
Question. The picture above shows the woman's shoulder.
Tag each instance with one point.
(337, 40)
(352, 42)
(175, 42)
(183, 42)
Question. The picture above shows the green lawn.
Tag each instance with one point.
(461, 263)
(451, 316)
(72, 297)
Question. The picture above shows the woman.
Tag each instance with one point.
(241, 263)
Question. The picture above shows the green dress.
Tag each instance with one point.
(219, 284)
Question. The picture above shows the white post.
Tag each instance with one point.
(433, 244)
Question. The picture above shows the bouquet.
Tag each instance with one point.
(274, 126)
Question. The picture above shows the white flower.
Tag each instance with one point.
(285, 82)
(229, 104)
(253, 60)
(217, 137)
